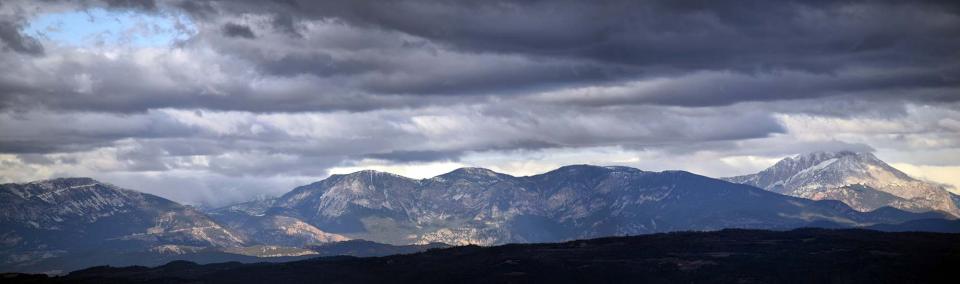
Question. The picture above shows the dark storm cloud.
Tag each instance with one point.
(286, 23)
(145, 5)
(237, 30)
(507, 81)
(683, 34)
(610, 41)
(43, 132)
(200, 9)
(723, 88)
(367, 55)
(780, 149)
(268, 90)
(280, 143)
(12, 39)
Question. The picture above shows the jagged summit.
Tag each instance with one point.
(622, 168)
(474, 171)
(859, 179)
(50, 189)
(64, 182)
(581, 167)
(831, 154)
(471, 174)
(370, 174)
(584, 173)
(68, 180)
(477, 172)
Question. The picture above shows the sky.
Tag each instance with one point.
(215, 102)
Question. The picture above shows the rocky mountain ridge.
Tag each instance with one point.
(858, 179)
(50, 218)
(479, 206)
(43, 223)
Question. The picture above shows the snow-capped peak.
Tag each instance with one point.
(828, 175)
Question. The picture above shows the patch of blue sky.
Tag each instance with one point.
(101, 27)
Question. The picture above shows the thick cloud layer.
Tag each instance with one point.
(286, 92)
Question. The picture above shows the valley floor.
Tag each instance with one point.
(728, 256)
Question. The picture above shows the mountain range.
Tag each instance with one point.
(479, 206)
(49, 223)
(858, 179)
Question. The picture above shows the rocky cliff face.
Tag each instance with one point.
(858, 179)
(250, 219)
